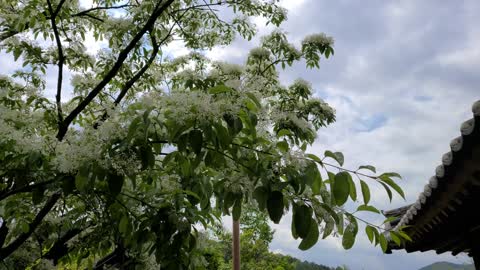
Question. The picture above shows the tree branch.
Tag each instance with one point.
(59, 249)
(142, 71)
(27, 188)
(61, 58)
(129, 84)
(8, 34)
(15, 244)
(117, 256)
(113, 71)
(93, 17)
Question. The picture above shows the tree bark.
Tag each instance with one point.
(236, 244)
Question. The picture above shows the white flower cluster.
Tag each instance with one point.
(169, 183)
(124, 164)
(82, 83)
(317, 107)
(228, 69)
(320, 39)
(189, 74)
(295, 158)
(292, 118)
(88, 145)
(118, 24)
(23, 129)
(239, 183)
(183, 106)
(259, 53)
(302, 87)
(301, 83)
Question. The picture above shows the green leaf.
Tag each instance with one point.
(16, 53)
(391, 174)
(369, 230)
(341, 188)
(132, 129)
(365, 192)
(349, 236)
(81, 179)
(254, 99)
(392, 184)
(283, 146)
(234, 124)
(24, 226)
(383, 242)
(223, 136)
(332, 213)
(302, 217)
(337, 156)
(368, 208)
(314, 158)
(389, 219)
(317, 183)
(329, 226)
(340, 225)
(387, 189)
(404, 236)
(311, 238)
(368, 167)
(237, 209)
(377, 237)
(283, 132)
(219, 89)
(123, 225)
(395, 238)
(228, 200)
(115, 183)
(196, 140)
(147, 156)
(261, 194)
(327, 53)
(312, 175)
(275, 206)
(294, 230)
(352, 187)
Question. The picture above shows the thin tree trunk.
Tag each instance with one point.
(236, 245)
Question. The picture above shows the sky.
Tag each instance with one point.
(402, 80)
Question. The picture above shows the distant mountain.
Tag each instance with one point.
(448, 266)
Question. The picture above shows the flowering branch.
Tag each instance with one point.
(113, 71)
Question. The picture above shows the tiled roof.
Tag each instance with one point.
(408, 215)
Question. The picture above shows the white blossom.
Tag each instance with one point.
(320, 39)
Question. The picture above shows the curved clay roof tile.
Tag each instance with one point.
(456, 144)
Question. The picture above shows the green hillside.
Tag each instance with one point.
(448, 266)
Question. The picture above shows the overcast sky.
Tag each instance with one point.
(403, 79)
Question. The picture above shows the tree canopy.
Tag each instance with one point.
(124, 162)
